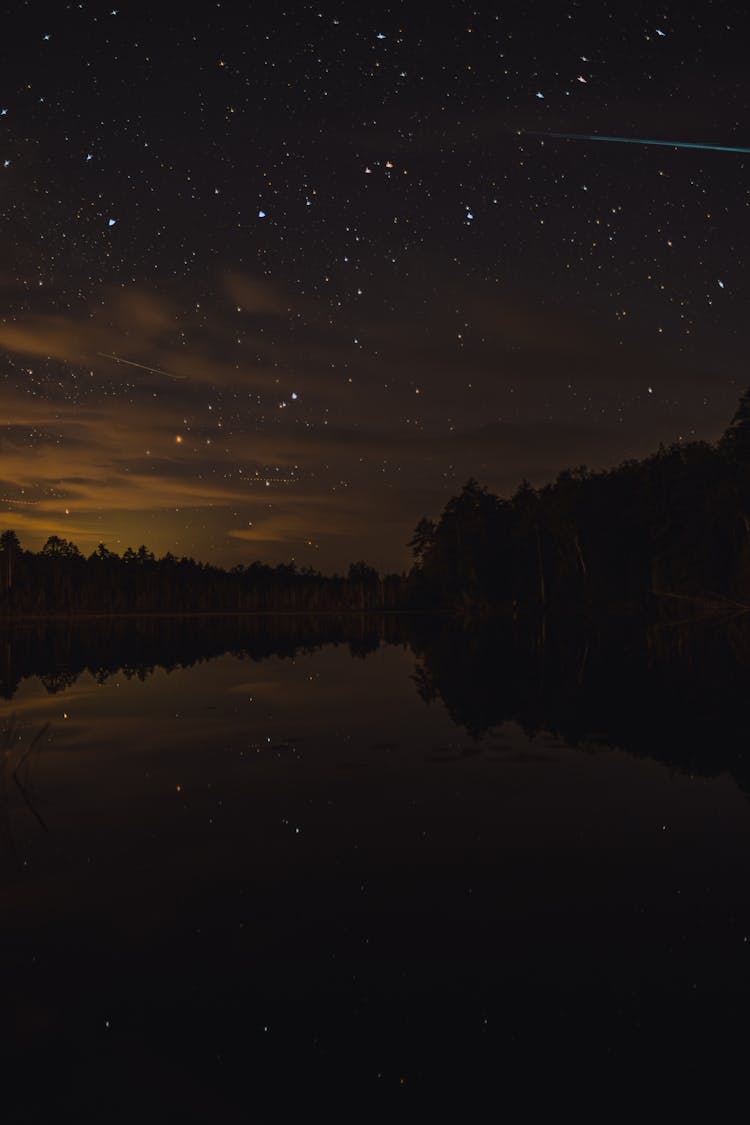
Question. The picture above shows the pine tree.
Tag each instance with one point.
(736, 439)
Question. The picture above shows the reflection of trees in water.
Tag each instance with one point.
(58, 679)
(134, 647)
(676, 693)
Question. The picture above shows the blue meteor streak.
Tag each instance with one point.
(640, 141)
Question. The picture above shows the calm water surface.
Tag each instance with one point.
(234, 881)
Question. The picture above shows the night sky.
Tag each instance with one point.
(277, 281)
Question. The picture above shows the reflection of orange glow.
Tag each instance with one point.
(178, 439)
(178, 788)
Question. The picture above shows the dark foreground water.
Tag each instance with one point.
(246, 870)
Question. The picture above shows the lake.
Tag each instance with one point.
(376, 858)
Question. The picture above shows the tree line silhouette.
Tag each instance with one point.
(59, 579)
(675, 525)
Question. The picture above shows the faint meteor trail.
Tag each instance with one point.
(639, 141)
(143, 367)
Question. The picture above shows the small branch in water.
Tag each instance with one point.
(709, 603)
(23, 789)
(709, 599)
(11, 735)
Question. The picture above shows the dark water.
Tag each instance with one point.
(365, 862)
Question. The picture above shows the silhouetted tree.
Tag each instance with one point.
(57, 548)
(10, 550)
(422, 539)
(735, 441)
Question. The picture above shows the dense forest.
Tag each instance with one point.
(672, 526)
(60, 580)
